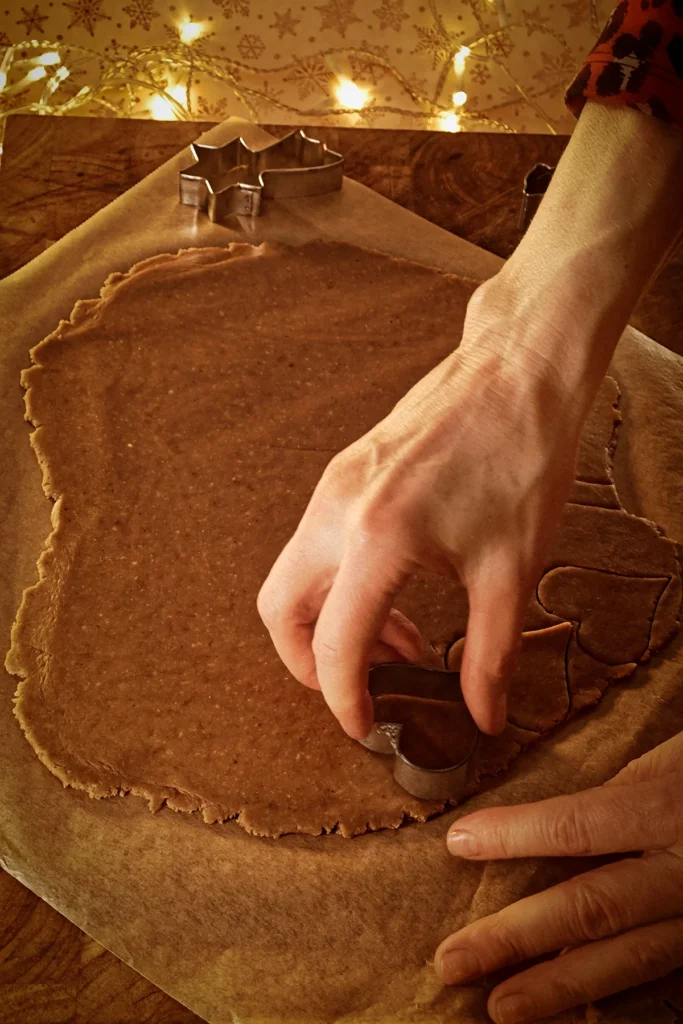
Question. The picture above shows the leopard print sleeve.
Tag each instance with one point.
(637, 61)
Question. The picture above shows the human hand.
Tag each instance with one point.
(623, 923)
(466, 477)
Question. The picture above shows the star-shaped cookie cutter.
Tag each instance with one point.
(234, 179)
(403, 680)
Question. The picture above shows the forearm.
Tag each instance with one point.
(613, 211)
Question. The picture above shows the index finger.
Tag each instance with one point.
(348, 627)
(610, 819)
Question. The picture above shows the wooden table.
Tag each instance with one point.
(57, 172)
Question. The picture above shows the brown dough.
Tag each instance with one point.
(614, 612)
(182, 421)
(539, 695)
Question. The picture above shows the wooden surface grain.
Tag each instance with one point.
(55, 173)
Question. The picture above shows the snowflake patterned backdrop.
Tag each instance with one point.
(450, 64)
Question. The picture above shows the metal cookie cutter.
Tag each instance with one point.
(233, 179)
(535, 187)
(387, 737)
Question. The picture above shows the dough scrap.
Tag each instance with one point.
(182, 420)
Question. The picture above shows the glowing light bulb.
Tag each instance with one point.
(189, 31)
(161, 109)
(60, 74)
(35, 74)
(459, 60)
(459, 98)
(350, 95)
(48, 58)
(450, 122)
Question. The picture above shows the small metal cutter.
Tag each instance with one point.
(535, 187)
(404, 680)
(233, 179)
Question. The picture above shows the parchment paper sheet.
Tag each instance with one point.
(299, 929)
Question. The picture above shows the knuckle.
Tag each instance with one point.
(477, 303)
(308, 677)
(375, 519)
(651, 958)
(594, 912)
(508, 942)
(267, 605)
(566, 990)
(569, 833)
(340, 471)
(326, 652)
(499, 671)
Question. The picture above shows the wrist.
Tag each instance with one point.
(539, 330)
(610, 216)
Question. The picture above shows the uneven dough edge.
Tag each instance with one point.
(27, 663)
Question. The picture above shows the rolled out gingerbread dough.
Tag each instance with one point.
(182, 420)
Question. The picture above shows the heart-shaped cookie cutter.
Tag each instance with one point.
(394, 679)
(233, 178)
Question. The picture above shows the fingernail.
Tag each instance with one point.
(462, 843)
(513, 1010)
(458, 965)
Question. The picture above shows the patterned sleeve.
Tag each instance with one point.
(637, 61)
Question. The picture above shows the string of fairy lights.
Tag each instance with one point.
(43, 77)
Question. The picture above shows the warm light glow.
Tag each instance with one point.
(350, 95)
(3, 80)
(60, 74)
(459, 98)
(450, 122)
(35, 74)
(189, 31)
(460, 58)
(160, 107)
(48, 58)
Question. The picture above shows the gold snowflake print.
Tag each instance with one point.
(478, 71)
(390, 14)
(337, 15)
(309, 74)
(250, 46)
(10, 102)
(556, 66)
(141, 13)
(579, 11)
(32, 21)
(218, 110)
(534, 21)
(87, 13)
(267, 100)
(365, 67)
(285, 23)
(436, 43)
(230, 7)
(500, 45)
